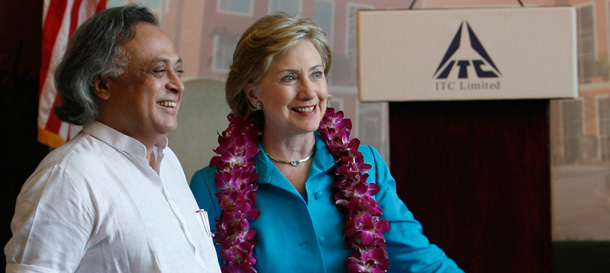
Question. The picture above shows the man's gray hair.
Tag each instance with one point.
(95, 50)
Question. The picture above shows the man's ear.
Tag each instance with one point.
(252, 95)
(100, 86)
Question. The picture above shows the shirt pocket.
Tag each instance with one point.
(202, 215)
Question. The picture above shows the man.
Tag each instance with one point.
(115, 198)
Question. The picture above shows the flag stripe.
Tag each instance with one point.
(53, 122)
(53, 19)
(61, 18)
(48, 97)
(74, 17)
(101, 5)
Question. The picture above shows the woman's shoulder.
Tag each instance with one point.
(379, 168)
(369, 153)
(203, 176)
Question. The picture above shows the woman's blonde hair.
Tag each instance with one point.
(268, 37)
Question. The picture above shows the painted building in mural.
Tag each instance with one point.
(206, 32)
(580, 128)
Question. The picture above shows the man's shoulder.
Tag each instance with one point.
(80, 148)
(77, 155)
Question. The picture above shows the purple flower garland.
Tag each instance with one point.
(236, 179)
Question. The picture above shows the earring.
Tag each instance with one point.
(259, 106)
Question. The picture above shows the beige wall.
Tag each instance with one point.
(202, 115)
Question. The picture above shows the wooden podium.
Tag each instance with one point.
(469, 93)
(477, 176)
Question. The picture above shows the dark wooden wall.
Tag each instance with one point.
(20, 41)
(477, 176)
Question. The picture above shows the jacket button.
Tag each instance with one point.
(318, 195)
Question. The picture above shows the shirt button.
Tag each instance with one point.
(321, 240)
(318, 195)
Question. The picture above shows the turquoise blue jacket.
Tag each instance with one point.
(306, 235)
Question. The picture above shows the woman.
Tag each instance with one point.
(288, 191)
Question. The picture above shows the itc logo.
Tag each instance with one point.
(465, 60)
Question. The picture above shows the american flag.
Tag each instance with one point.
(60, 19)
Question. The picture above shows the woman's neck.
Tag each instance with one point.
(288, 148)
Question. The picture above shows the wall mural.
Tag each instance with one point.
(205, 34)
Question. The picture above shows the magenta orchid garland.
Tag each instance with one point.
(236, 179)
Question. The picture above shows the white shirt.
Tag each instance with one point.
(95, 205)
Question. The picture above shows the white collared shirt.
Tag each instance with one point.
(95, 205)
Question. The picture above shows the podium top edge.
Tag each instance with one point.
(481, 8)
